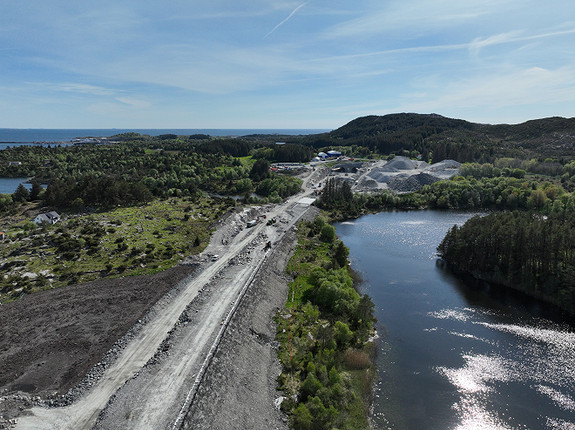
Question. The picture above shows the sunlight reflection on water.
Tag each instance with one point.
(453, 356)
(542, 361)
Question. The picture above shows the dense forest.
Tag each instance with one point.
(138, 169)
(526, 250)
(437, 138)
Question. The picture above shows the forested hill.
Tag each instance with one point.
(374, 125)
(439, 137)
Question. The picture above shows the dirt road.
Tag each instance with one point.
(147, 385)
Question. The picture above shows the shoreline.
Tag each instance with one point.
(486, 283)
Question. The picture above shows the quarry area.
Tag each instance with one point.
(148, 352)
(400, 174)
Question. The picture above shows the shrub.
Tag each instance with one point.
(328, 233)
(302, 419)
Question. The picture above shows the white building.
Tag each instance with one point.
(48, 217)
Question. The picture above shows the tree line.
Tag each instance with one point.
(525, 250)
(496, 193)
(138, 170)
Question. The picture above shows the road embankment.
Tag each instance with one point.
(238, 390)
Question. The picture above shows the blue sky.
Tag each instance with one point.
(282, 64)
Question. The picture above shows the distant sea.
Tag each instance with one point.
(13, 135)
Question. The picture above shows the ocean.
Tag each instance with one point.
(13, 135)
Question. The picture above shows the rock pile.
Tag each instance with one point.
(412, 183)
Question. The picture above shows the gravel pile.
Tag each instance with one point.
(444, 165)
(412, 183)
(399, 163)
(380, 175)
(404, 175)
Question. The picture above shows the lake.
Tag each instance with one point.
(9, 185)
(454, 354)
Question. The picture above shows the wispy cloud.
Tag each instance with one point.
(410, 17)
(293, 12)
(70, 87)
(134, 102)
(474, 46)
(143, 62)
(516, 88)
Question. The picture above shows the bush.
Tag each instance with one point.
(328, 233)
(302, 419)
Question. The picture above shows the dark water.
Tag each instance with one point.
(9, 185)
(452, 355)
(64, 135)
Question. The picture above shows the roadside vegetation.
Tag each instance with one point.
(323, 331)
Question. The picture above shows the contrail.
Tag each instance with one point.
(287, 19)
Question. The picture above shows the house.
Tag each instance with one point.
(48, 217)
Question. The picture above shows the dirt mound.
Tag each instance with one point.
(50, 340)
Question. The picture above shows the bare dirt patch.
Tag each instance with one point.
(50, 340)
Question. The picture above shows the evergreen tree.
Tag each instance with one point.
(36, 190)
(21, 194)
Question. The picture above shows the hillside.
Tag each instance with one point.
(448, 138)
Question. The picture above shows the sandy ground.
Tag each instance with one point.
(169, 355)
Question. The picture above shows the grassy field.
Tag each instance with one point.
(120, 242)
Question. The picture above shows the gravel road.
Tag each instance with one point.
(159, 373)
